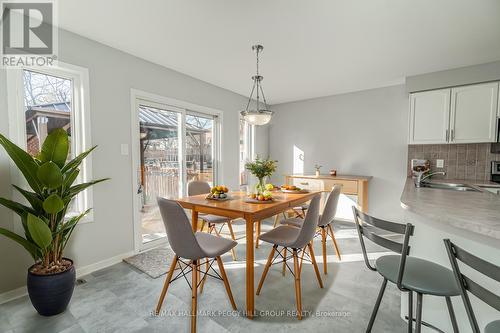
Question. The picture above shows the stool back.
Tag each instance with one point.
(196, 187)
(484, 267)
(179, 232)
(365, 225)
(308, 229)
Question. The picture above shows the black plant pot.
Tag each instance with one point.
(50, 294)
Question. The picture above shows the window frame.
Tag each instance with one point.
(249, 141)
(80, 122)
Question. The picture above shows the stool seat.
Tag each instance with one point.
(493, 327)
(420, 275)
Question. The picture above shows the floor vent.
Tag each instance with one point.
(80, 281)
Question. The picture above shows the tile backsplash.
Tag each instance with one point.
(461, 161)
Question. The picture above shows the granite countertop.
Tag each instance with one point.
(477, 212)
(338, 176)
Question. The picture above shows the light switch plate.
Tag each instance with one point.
(439, 163)
(124, 149)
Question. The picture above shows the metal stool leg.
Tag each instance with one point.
(377, 305)
(452, 315)
(410, 312)
(418, 326)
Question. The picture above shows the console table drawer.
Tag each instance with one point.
(309, 184)
(348, 186)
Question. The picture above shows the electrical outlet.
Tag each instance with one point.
(439, 163)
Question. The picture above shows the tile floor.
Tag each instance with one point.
(120, 299)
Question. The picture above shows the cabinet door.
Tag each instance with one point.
(429, 116)
(473, 113)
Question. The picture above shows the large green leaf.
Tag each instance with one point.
(50, 175)
(70, 177)
(74, 163)
(39, 231)
(29, 246)
(55, 147)
(26, 164)
(74, 190)
(18, 208)
(53, 204)
(32, 197)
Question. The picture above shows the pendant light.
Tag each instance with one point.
(257, 115)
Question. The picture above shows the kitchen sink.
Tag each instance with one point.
(451, 186)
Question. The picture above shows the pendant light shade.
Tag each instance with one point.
(257, 115)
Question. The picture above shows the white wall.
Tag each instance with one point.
(112, 74)
(361, 133)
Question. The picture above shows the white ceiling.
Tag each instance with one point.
(311, 48)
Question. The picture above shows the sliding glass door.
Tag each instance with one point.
(175, 146)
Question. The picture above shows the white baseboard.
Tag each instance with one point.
(80, 271)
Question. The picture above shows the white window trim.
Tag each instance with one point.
(250, 138)
(80, 121)
(183, 108)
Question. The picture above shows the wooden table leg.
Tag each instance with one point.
(194, 219)
(249, 267)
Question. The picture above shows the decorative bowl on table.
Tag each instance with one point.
(292, 189)
(264, 197)
(218, 193)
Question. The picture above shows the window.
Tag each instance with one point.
(246, 149)
(41, 100)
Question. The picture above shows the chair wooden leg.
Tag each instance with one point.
(259, 224)
(298, 292)
(216, 231)
(202, 225)
(284, 261)
(204, 275)
(233, 252)
(335, 246)
(165, 286)
(266, 269)
(315, 265)
(226, 282)
(323, 244)
(194, 295)
(302, 258)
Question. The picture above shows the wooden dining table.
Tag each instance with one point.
(253, 213)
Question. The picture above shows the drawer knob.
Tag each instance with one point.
(304, 183)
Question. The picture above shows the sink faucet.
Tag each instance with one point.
(420, 177)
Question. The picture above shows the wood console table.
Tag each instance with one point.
(353, 185)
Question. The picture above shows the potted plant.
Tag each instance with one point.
(261, 168)
(51, 278)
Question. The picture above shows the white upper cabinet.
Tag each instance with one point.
(474, 113)
(429, 117)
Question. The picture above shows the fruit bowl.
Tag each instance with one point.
(292, 189)
(218, 193)
(264, 197)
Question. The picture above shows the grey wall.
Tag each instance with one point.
(454, 77)
(112, 74)
(360, 133)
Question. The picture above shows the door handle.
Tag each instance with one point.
(452, 135)
(139, 190)
(447, 135)
(304, 183)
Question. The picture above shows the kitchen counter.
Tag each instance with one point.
(469, 219)
(477, 212)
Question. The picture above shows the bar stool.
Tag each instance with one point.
(192, 247)
(297, 240)
(324, 223)
(466, 284)
(197, 187)
(410, 274)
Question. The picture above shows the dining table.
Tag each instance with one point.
(236, 206)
